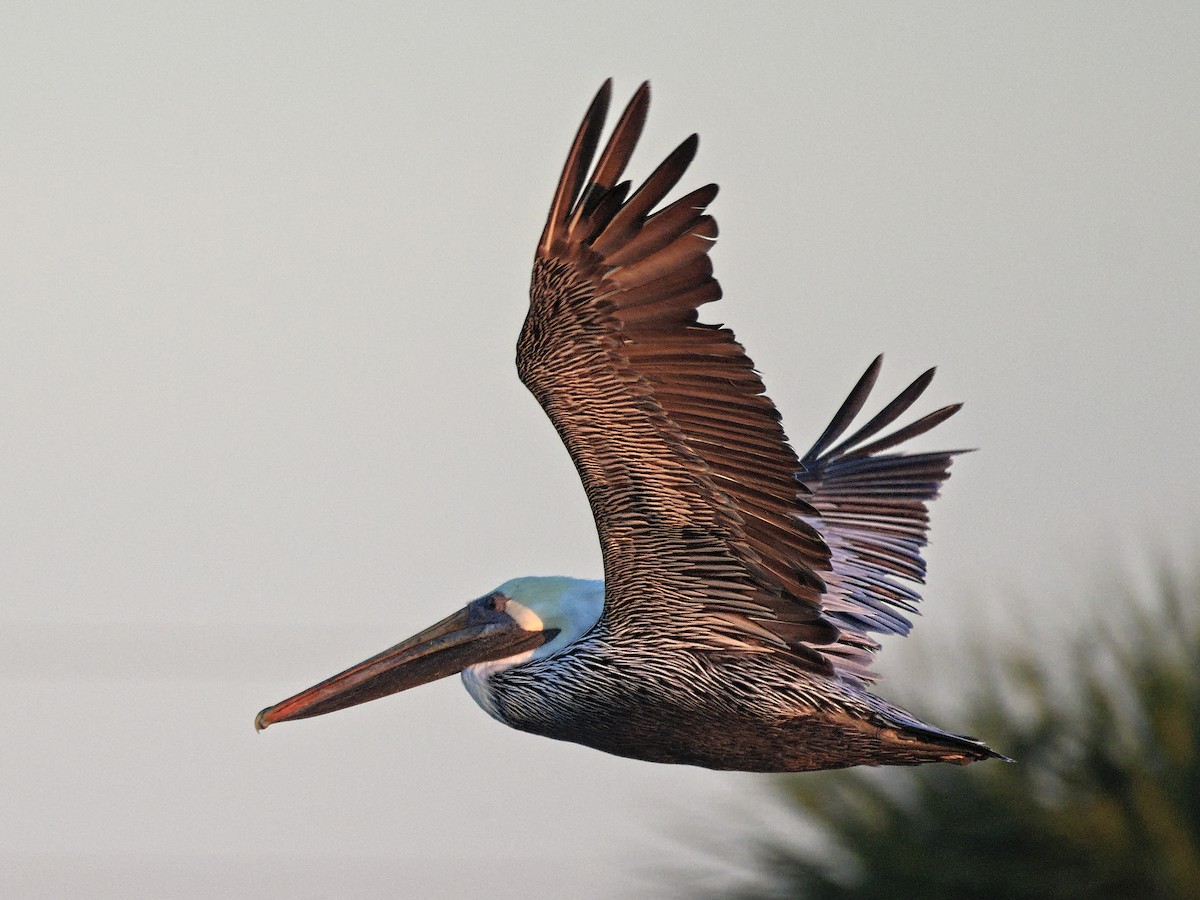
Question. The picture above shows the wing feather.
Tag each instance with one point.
(713, 531)
(575, 168)
(872, 508)
(689, 474)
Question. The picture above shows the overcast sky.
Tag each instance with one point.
(262, 268)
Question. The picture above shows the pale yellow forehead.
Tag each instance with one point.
(524, 616)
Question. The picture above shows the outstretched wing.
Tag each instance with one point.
(714, 533)
(873, 510)
(705, 533)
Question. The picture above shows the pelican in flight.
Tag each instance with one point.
(742, 583)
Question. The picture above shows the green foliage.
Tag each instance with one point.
(1103, 800)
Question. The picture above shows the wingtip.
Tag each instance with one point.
(922, 381)
(575, 169)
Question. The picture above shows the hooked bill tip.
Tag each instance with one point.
(260, 721)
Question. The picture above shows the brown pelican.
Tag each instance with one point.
(741, 586)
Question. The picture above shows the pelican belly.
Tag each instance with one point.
(752, 712)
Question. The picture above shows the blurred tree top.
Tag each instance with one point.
(1103, 800)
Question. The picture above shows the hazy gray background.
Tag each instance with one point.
(261, 273)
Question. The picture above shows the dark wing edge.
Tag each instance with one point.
(873, 509)
(664, 416)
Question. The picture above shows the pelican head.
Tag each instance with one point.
(522, 620)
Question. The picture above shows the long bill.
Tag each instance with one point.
(479, 632)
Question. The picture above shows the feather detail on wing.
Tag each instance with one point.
(873, 510)
(714, 533)
(705, 534)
